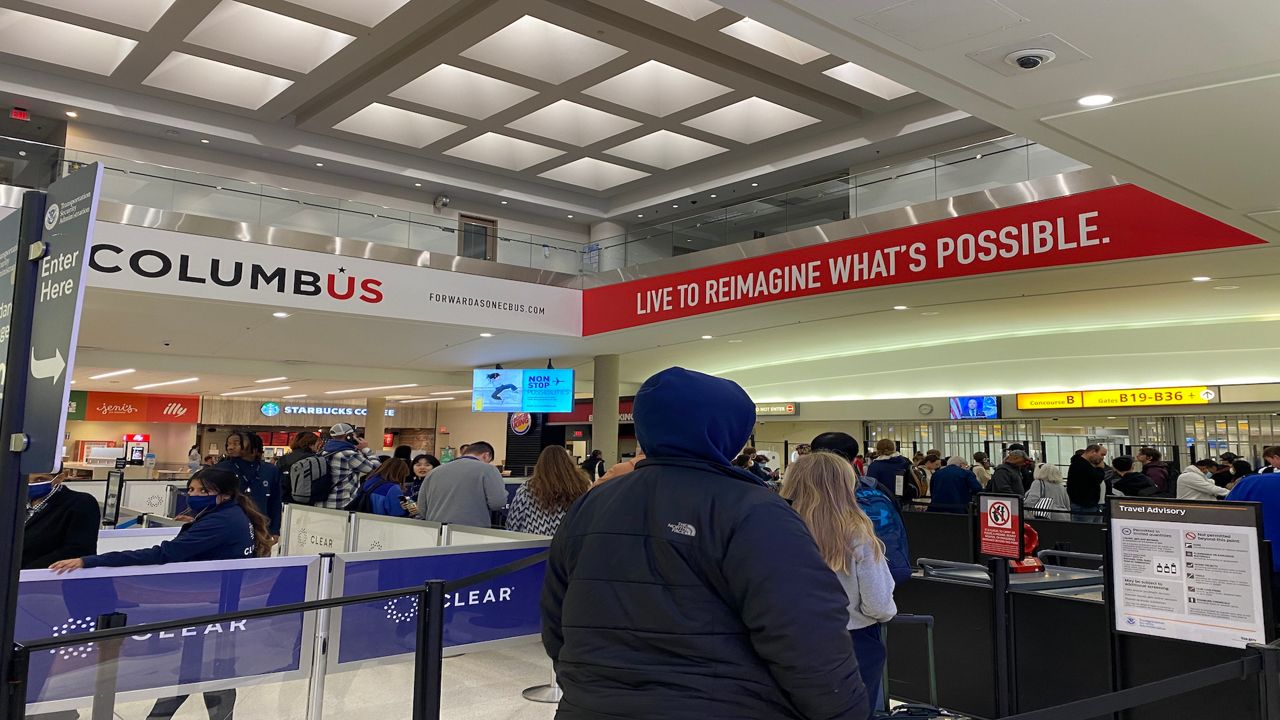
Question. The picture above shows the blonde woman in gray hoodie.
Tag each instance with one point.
(821, 489)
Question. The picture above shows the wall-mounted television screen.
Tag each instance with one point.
(532, 391)
(975, 407)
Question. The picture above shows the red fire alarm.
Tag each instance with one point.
(20, 114)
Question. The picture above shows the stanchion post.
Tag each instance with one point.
(429, 652)
(549, 693)
(104, 684)
(1000, 626)
(1269, 681)
(17, 700)
(320, 654)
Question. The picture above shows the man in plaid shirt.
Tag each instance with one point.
(349, 462)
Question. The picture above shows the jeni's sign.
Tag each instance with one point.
(132, 407)
(1112, 224)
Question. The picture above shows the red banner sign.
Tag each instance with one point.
(130, 407)
(1115, 223)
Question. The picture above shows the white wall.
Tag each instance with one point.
(464, 426)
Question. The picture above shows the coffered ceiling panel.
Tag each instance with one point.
(594, 103)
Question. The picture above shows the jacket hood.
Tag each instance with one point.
(894, 459)
(333, 446)
(685, 414)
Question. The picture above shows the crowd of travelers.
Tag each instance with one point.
(746, 592)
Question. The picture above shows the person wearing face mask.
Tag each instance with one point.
(226, 526)
(259, 480)
(1196, 482)
(61, 523)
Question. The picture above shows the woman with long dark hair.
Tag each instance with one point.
(540, 503)
(227, 526)
(385, 490)
(420, 468)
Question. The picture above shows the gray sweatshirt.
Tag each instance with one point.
(870, 589)
(462, 492)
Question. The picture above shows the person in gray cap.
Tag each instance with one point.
(1008, 477)
(687, 589)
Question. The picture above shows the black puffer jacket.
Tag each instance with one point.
(686, 590)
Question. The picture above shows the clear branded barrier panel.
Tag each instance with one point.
(500, 608)
(456, 535)
(372, 533)
(147, 496)
(201, 658)
(306, 530)
(136, 538)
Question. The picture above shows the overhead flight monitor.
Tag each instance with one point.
(532, 391)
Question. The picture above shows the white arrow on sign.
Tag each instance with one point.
(50, 368)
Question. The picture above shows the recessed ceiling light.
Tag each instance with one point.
(504, 202)
(274, 379)
(640, 215)
(22, 153)
(675, 206)
(1111, 417)
(901, 307)
(931, 313)
(755, 184)
(708, 337)
(369, 389)
(72, 114)
(113, 373)
(713, 194)
(279, 314)
(204, 140)
(163, 384)
(1226, 287)
(291, 397)
(1201, 278)
(319, 164)
(1095, 100)
(735, 341)
(417, 184)
(486, 334)
(254, 390)
(569, 216)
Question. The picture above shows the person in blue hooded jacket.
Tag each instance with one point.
(259, 480)
(227, 526)
(686, 589)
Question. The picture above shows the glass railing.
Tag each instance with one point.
(969, 169)
(973, 168)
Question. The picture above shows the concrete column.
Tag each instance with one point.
(604, 421)
(375, 424)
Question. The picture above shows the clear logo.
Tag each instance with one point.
(74, 625)
(401, 609)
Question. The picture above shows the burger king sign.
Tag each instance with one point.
(521, 423)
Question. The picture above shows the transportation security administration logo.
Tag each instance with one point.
(270, 409)
(51, 216)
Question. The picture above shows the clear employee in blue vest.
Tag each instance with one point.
(226, 526)
(259, 480)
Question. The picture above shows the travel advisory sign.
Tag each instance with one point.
(1117, 223)
(1188, 570)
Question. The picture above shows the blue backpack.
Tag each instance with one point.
(889, 528)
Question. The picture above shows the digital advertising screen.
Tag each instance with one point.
(531, 391)
(548, 391)
(975, 407)
(497, 390)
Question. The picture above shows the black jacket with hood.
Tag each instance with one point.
(686, 590)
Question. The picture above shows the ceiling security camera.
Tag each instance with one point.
(442, 201)
(1030, 59)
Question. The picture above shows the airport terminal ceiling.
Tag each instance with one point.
(590, 109)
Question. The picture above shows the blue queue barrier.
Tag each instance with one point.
(270, 649)
(194, 659)
(503, 608)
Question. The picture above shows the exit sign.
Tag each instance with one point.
(20, 114)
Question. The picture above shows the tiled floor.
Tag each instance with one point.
(477, 686)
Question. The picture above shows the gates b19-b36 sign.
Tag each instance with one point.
(1116, 223)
